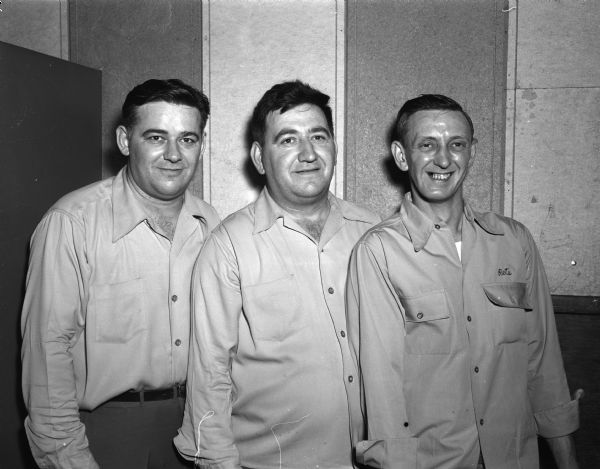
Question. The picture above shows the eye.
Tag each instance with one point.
(155, 138)
(459, 145)
(426, 146)
(189, 140)
(288, 141)
(320, 138)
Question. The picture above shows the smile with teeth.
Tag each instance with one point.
(440, 176)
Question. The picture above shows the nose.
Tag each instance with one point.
(442, 157)
(172, 152)
(307, 152)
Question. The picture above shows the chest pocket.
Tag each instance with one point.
(272, 309)
(428, 323)
(117, 310)
(507, 305)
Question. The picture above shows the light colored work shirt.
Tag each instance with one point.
(457, 357)
(106, 310)
(271, 382)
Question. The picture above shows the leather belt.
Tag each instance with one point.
(151, 395)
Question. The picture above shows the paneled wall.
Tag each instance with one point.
(553, 145)
(248, 47)
(130, 42)
(39, 25)
(399, 49)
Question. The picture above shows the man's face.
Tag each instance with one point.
(164, 147)
(297, 157)
(436, 152)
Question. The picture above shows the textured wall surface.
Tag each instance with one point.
(553, 144)
(402, 48)
(39, 25)
(250, 46)
(130, 42)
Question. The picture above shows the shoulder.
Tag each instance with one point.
(203, 209)
(509, 227)
(357, 212)
(85, 199)
(390, 230)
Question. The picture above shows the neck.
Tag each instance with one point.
(162, 214)
(311, 218)
(449, 213)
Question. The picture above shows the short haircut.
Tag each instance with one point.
(285, 96)
(172, 91)
(425, 102)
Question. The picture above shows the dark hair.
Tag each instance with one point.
(425, 102)
(285, 96)
(172, 91)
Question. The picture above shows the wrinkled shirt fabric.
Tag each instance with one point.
(271, 383)
(106, 310)
(458, 357)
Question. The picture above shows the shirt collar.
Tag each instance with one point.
(267, 211)
(419, 226)
(128, 210)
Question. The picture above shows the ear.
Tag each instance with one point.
(256, 156)
(203, 146)
(122, 140)
(473, 152)
(399, 155)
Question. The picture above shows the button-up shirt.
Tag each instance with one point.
(106, 310)
(271, 382)
(457, 356)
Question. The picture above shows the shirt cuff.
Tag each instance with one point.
(558, 421)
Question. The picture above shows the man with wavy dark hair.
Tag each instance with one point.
(271, 383)
(106, 316)
(450, 319)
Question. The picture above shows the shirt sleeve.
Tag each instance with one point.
(52, 321)
(206, 434)
(377, 335)
(555, 413)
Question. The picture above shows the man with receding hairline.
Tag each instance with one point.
(450, 319)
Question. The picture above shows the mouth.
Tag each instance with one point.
(441, 177)
(307, 170)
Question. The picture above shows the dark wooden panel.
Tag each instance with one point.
(579, 335)
(50, 140)
(398, 49)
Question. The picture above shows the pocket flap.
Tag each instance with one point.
(507, 294)
(393, 452)
(427, 307)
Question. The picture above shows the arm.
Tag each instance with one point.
(556, 414)
(376, 335)
(206, 435)
(52, 321)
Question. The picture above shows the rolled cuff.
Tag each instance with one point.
(387, 454)
(558, 421)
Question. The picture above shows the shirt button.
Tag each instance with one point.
(178, 342)
(330, 290)
(437, 227)
(174, 298)
(343, 334)
(476, 369)
(481, 422)
(350, 378)
(420, 315)
(469, 318)
(406, 424)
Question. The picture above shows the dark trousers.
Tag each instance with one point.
(135, 435)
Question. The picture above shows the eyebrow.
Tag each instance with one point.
(164, 132)
(312, 130)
